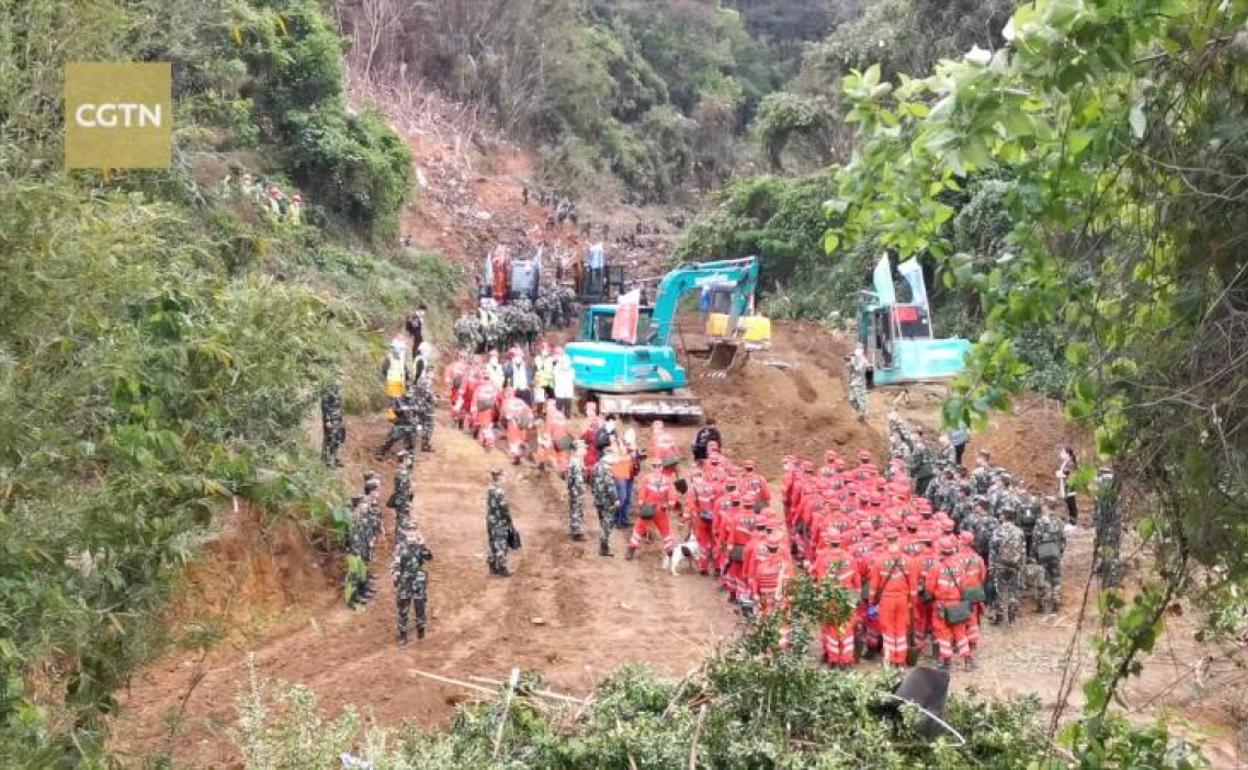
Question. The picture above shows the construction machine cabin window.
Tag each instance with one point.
(603, 321)
(913, 322)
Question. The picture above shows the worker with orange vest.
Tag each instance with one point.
(833, 562)
(891, 592)
(975, 574)
(655, 502)
(699, 513)
(950, 612)
(770, 572)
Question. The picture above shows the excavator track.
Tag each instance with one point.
(680, 404)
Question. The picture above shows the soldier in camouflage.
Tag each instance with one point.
(857, 378)
(359, 553)
(1006, 558)
(1107, 519)
(984, 474)
(1048, 544)
(606, 500)
(1029, 512)
(411, 583)
(404, 427)
(401, 498)
(576, 491)
(498, 524)
(922, 463)
(334, 432)
(372, 496)
(423, 407)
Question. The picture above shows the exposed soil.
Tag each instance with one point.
(567, 612)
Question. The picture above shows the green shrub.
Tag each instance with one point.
(352, 164)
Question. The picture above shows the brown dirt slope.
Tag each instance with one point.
(567, 613)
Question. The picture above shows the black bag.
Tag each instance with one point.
(737, 554)
(957, 612)
(682, 486)
(647, 511)
(1048, 551)
(974, 594)
(564, 443)
(513, 539)
(602, 439)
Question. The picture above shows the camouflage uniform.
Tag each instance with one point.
(497, 528)
(404, 427)
(411, 584)
(1028, 516)
(857, 377)
(605, 500)
(1048, 544)
(423, 412)
(1107, 519)
(359, 545)
(898, 449)
(982, 479)
(1006, 557)
(920, 467)
(372, 496)
(334, 433)
(576, 492)
(401, 499)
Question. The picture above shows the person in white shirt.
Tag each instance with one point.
(565, 382)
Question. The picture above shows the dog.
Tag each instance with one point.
(686, 551)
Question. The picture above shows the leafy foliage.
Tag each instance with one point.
(650, 94)
(162, 337)
(1114, 122)
(353, 163)
(752, 705)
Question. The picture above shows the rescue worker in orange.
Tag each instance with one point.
(655, 502)
(699, 513)
(833, 562)
(951, 613)
(892, 592)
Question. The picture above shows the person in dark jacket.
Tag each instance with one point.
(706, 434)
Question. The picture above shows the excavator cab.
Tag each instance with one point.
(898, 342)
(732, 330)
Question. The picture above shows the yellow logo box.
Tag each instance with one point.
(118, 115)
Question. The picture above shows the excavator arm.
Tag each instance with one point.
(741, 273)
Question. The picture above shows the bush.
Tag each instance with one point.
(751, 706)
(353, 164)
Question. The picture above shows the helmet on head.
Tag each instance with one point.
(947, 545)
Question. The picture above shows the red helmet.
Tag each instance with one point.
(947, 545)
(775, 537)
(966, 538)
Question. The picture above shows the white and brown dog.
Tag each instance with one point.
(686, 551)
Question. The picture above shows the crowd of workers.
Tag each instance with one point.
(929, 548)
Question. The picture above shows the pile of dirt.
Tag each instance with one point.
(790, 399)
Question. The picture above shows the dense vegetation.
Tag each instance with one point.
(646, 97)
(163, 334)
(1117, 131)
(752, 705)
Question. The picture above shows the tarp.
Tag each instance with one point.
(912, 271)
(627, 313)
(883, 280)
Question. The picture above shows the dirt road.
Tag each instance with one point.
(568, 613)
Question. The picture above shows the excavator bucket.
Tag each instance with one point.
(727, 356)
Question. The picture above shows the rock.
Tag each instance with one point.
(537, 621)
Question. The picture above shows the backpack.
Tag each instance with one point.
(1028, 513)
(602, 438)
(1011, 552)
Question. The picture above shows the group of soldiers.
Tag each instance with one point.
(1020, 536)
(411, 552)
(265, 194)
